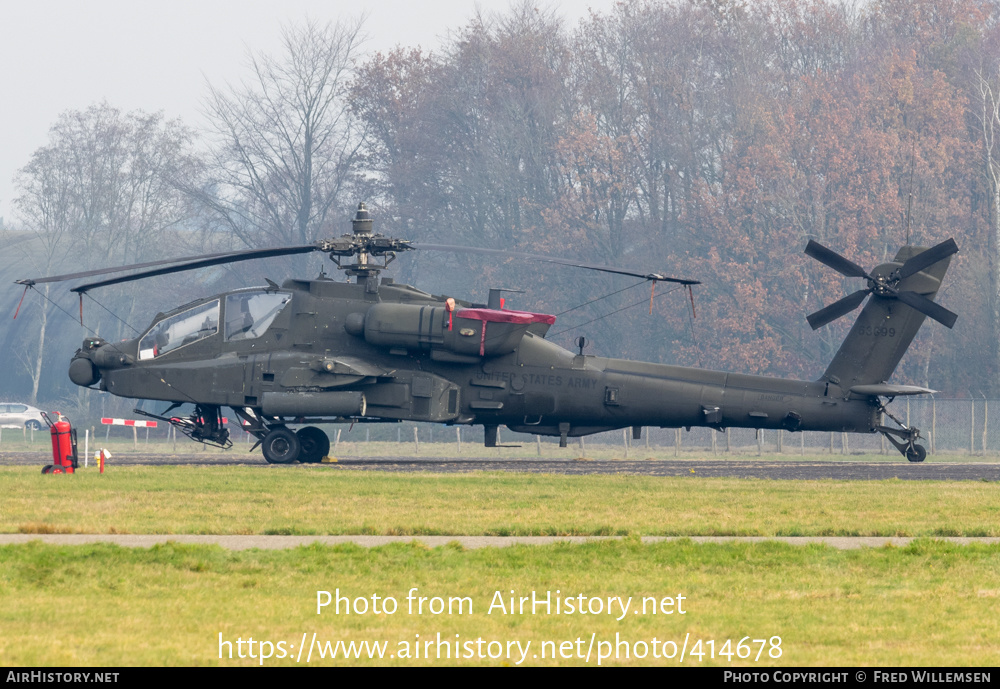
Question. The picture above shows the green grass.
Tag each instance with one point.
(320, 500)
(930, 603)
(927, 604)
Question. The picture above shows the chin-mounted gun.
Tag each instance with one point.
(206, 425)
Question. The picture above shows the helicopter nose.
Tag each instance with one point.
(96, 355)
(83, 372)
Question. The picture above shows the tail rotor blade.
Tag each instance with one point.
(837, 309)
(926, 259)
(927, 307)
(831, 258)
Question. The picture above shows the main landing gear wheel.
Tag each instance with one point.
(916, 453)
(281, 446)
(315, 444)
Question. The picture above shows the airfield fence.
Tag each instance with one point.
(953, 426)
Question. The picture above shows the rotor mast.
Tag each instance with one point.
(361, 225)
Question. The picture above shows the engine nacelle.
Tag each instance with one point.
(471, 331)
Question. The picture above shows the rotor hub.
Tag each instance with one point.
(364, 244)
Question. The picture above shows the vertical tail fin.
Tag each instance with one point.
(886, 326)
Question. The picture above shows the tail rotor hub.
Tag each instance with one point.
(882, 286)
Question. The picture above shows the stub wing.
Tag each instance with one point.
(886, 390)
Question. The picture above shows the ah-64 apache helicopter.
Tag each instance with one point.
(317, 351)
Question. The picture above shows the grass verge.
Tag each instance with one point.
(927, 604)
(268, 500)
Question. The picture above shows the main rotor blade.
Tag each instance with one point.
(834, 260)
(549, 259)
(927, 258)
(215, 260)
(928, 308)
(836, 309)
(117, 269)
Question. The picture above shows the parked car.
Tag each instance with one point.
(14, 415)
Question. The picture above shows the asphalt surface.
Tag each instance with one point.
(777, 469)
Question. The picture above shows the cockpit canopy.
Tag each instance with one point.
(247, 316)
(250, 314)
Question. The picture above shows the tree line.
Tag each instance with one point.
(707, 139)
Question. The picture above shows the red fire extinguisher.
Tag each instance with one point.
(64, 460)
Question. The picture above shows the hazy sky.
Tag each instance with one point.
(59, 55)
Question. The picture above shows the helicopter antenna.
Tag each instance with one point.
(909, 199)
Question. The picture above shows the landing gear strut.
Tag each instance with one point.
(491, 433)
(908, 436)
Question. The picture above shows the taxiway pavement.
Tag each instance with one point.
(741, 467)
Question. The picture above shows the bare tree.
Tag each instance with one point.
(989, 120)
(286, 140)
(101, 192)
(46, 205)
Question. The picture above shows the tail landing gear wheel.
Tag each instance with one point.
(281, 446)
(917, 453)
(315, 444)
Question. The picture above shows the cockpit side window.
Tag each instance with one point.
(181, 329)
(250, 314)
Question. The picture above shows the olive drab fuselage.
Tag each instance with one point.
(347, 351)
(317, 351)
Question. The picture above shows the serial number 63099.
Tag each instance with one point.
(876, 331)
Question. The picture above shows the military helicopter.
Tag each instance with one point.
(321, 351)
